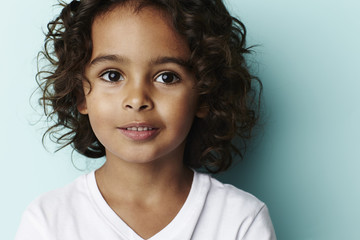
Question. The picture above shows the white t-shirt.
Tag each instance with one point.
(211, 211)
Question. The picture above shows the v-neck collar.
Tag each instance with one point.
(181, 227)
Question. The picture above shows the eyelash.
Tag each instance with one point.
(111, 71)
(121, 77)
(169, 73)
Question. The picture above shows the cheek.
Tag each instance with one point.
(100, 113)
(180, 110)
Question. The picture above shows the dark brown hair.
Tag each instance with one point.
(224, 83)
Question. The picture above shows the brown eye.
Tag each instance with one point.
(112, 76)
(167, 78)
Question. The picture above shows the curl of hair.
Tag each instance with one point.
(225, 85)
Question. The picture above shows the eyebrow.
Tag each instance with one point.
(164, 60)
(157, 61)
(108, 58)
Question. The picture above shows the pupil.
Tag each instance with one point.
(114, 76)
(166, 77)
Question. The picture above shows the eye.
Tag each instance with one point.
(112, 76)
(167, 78)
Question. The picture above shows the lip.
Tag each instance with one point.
(147, 131)
(138, 124)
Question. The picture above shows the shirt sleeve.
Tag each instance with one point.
(32, 226)
(261, 228)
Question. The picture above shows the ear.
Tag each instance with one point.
(81, 103)
(202, 111)
(82, 108)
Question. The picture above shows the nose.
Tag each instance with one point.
(137, 98)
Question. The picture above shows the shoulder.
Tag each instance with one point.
(230, 195)
(235, 213)
(53, 209)
(55, 201)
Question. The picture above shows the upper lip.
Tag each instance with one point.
(138, 124)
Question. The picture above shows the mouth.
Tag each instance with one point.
(139, 129)
(139, 132)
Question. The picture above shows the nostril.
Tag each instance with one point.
(143, 107)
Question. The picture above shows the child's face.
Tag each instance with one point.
(142, 103)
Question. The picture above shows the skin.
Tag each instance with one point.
(144, 181)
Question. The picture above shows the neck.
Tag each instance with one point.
(119, 179)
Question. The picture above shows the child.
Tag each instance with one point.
(159, 87)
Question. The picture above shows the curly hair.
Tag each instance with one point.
(223, 80)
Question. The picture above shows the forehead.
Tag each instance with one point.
(148, 31)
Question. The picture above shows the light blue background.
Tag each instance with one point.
(305, 163)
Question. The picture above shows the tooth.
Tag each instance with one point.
(139, 129)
